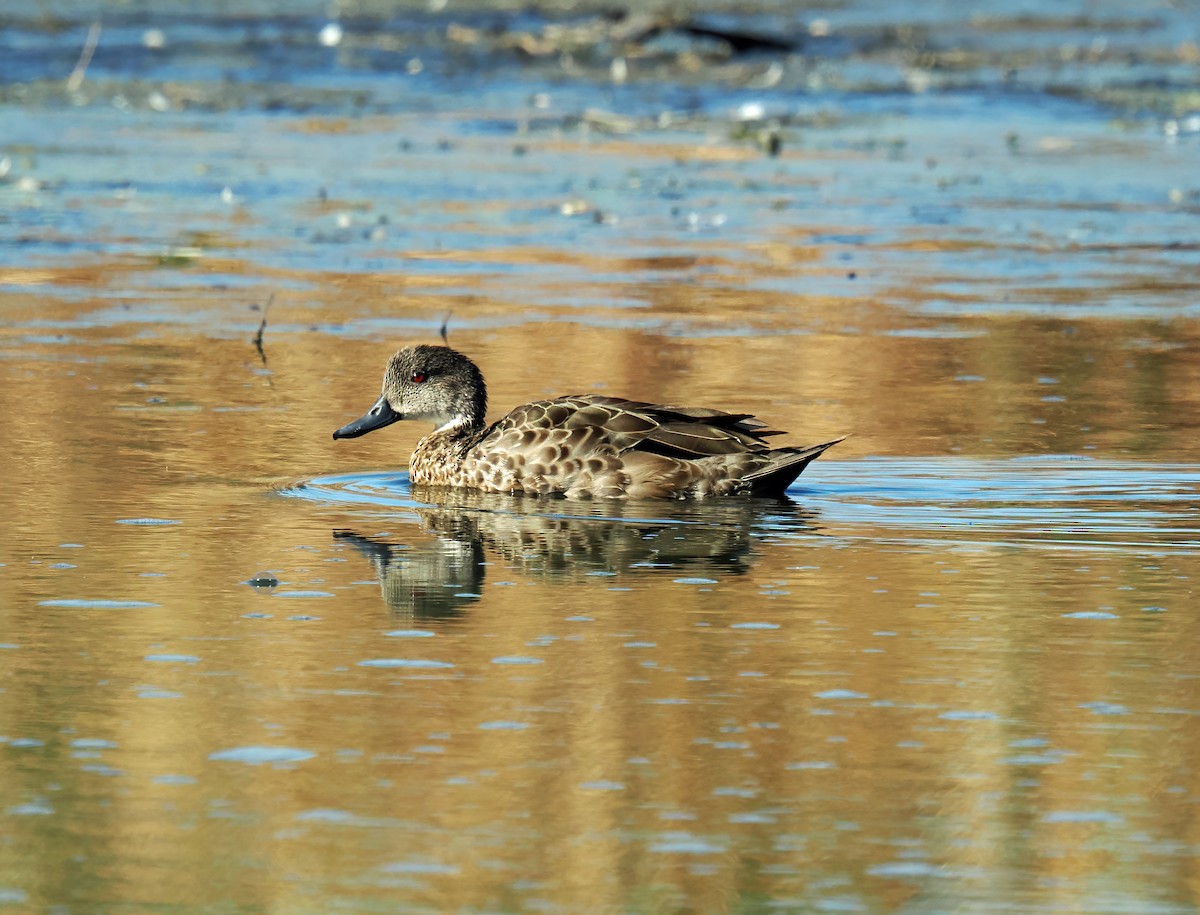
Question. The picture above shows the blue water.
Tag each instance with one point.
(1051, 502)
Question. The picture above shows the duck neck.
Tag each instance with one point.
(458, 433)
(444, 448)
(440, 454)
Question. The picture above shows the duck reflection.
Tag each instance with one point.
(441, 575)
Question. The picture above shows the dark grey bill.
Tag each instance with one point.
(377, 417)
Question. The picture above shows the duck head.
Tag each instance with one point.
(426, 382)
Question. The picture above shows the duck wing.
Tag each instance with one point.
(678, 432)
(690, 433)
(594, 445)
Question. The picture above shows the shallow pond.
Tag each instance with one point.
(245, 668)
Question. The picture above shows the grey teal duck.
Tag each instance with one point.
(580, 446)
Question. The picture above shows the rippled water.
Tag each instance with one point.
(246, 668)
(1057, 500)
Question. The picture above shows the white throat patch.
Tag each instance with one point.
(452, 425)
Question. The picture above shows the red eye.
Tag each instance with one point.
(418, 377)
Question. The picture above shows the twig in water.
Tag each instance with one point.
(258, 337)
(75, 80)
(445, 328)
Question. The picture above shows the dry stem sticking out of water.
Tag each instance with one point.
(75, 80)
(258, 337)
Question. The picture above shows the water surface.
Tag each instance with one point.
(244, 667)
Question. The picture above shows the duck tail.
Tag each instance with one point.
(786, 464)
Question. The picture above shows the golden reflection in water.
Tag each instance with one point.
(922, 726)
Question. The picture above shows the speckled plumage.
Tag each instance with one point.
(581, 446)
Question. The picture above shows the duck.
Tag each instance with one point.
(579, 446)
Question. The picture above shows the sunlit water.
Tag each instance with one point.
(245, 668)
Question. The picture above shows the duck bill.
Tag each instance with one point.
(377, 417)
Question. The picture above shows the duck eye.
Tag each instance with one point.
(418, 377)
